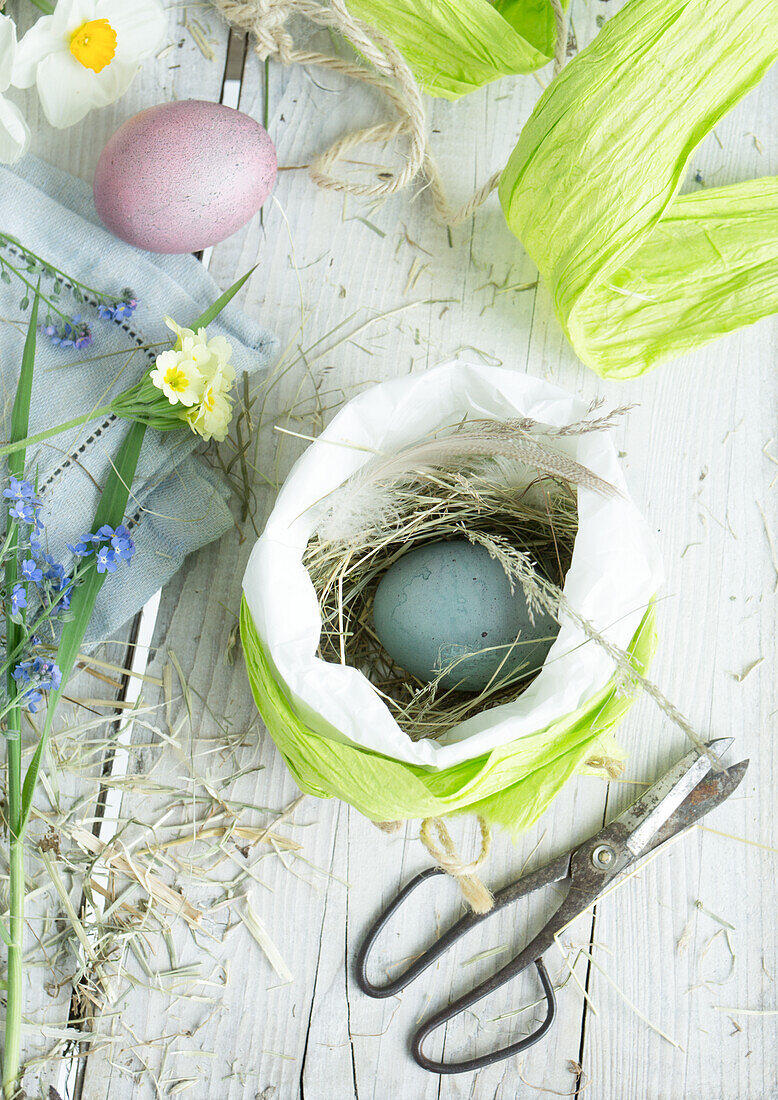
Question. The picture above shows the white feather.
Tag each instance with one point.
(365, 502)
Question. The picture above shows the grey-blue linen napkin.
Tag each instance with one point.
(177, 503)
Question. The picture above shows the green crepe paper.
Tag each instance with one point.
(638, 275)
(456, 46)
(510, 786)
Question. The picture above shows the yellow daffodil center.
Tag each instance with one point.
(93, 44)
(176, 379)
(207, 401)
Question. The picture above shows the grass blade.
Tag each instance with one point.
(262, 936)
(20, 417)
(215, 309)
(111, 509)
(20, 425)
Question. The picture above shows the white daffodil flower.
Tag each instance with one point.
(14, 131)
(86, 54)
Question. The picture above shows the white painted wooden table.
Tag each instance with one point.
(695, 450)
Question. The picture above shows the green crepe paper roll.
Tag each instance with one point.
(637, 274)
(456, 46)
(510, 786)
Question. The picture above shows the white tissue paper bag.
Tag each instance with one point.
(615, 570)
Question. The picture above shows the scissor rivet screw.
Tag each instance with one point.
(603, 856)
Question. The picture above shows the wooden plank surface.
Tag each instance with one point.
(77, 757)
(407, 298)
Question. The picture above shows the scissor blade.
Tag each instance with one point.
(648, 814)
(714, 789)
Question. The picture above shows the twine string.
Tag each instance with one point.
(436, 838)
(388, 72)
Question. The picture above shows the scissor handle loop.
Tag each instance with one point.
(377, 928)
(426, 959)
(482, 1060)
(527, 884)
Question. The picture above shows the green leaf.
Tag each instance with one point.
(214, 310)
(15, 446)
(20, 417)
(111, 509)
(20, 423)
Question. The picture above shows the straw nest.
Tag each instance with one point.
(498, 484)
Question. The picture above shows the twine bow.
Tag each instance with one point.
(477, 895)
(388, 72)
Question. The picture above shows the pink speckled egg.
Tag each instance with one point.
(181, 176)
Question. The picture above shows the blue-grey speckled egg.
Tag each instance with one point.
(451, 602)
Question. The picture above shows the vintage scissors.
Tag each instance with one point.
(693, 787)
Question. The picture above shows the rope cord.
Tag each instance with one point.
(388, 72)
(444, 852)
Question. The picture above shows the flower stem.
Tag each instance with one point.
(6, 264)
(14, 632)
(111, 509)
(31, 627)
(49, 268)
(13, 1019)
(13, 1016)
(76, 422)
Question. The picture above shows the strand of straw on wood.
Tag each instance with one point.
(388, 72)
(553, 599)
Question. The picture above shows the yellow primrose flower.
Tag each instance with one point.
(177, 375)
(197, 373)
(221, 352)
(212, 356)
(211, 418)
(190, 383)
(181, 333)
